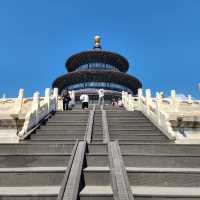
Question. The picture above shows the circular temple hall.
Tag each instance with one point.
(91, 70)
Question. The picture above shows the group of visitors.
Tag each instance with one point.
(117, 102)
(84, 98)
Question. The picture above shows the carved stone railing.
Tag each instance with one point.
(39, 110)
(16, 106)
(163, 111)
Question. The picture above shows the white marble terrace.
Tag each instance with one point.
(19, 115)
(178, 119)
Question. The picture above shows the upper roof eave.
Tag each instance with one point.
(85, 57)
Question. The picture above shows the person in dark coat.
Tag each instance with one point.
(66, 99)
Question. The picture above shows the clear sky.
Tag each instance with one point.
(160, 38)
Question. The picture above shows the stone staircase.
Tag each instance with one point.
(34, 168)
(152, 167)
(127, 157)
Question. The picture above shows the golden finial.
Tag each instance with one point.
(97, 40)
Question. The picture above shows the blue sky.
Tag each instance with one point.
(160, 38)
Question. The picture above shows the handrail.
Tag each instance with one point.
(106, 137)
(72, 180)
(89, 128)
(66, 176)
(120, 183)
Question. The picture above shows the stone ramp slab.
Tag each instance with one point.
(29, 191)
(166, 191)
(145, 191)
(32, 169)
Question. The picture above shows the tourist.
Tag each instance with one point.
(120, 103)
(84, 98)
(101, 96)
(66, 99)
(113, 102)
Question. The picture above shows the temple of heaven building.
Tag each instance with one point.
(91, 70)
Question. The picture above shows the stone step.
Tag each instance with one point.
(144, 141)
(58, 136)
(159, 149)
(97, 160)
(41, 141)
(124, 113)
(55, 121)
(128, 120)
(142, 193)
(100, 176)
(146, 160)
(96, 193)
(95, 141)
(33, 160)
(131, 119)
(152, 160)
(97, 115)
(29, 193)
(97, 126)
(70, 116)
(69, 119)
(57, 132)
(131, 125)
(71, 112)
(97, 123)
(119, 128)
(97, 148)
(135, 132)
(66, 128)
(31, 177)
(44, 132)
(97, 136)
(113, 108)
(165, 193)
(75, 113)
(140, 140)
(164, 177)
(97, 132)
(71, 124)
(125, 116)
(136, 137)
(28, 148)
